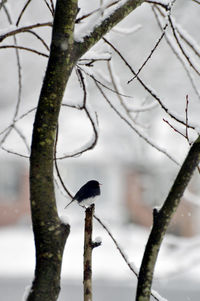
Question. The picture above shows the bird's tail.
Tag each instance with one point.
(69, 203)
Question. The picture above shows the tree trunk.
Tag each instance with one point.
(50, 235)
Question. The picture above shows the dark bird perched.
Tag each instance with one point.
(87, 194)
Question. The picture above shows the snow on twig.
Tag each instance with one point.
(178, 54)
(136, 129)
(94, 19)
(173, 115)
(126, 31)
(150, 55)
(193, 64)
(91, 75)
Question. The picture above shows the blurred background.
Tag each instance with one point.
(135, 176)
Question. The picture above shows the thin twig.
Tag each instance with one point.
(94, 140)
(14, 153)
(78, 20)
(16, 120)
(165, 6)
(152, 93)
(22, 12)
(39, 38)
(22, 136)
(19, 94)
(2, 3)
(174, 50)
(150, 55)
(115, 85)
(103, 85)
(49, 7)
(24, 29)
(141, 135)
(175, 130)
(56, 166)
(52, 6)
(181, 46)
(186, 119)
(25, 48)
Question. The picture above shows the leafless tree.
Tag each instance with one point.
(68, 50)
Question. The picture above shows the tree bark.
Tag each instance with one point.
(50, 235)
(88, 246)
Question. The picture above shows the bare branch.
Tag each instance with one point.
(150, 55)
(152, 93)
(165, 6)
(141, 135)
(19, 94)
(181, 46)
(2, 3)
(119, 13)
(56, 166)
(162, 220)
(39, 38)
(91, 144)
(14, 153)
(16, 120)
(21, 135)
(175, 130)
(22, 12)
(103, 85)
(178, 56)
(186, 118)
(24, 48)
(24, 29)
(78, 20)
(50, 7)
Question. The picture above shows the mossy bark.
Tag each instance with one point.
(50, 234)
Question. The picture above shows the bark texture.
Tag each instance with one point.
(50, 235)
(88, 246)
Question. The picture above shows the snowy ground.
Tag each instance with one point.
(177, 276)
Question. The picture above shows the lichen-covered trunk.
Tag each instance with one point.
(50, 234)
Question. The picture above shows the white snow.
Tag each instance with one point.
(65, 219)
(98, 239)
(18, 255)
(123, 30)
(158, 296)
(26, 292)
(87, 27)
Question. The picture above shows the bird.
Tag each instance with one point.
(87, 194)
